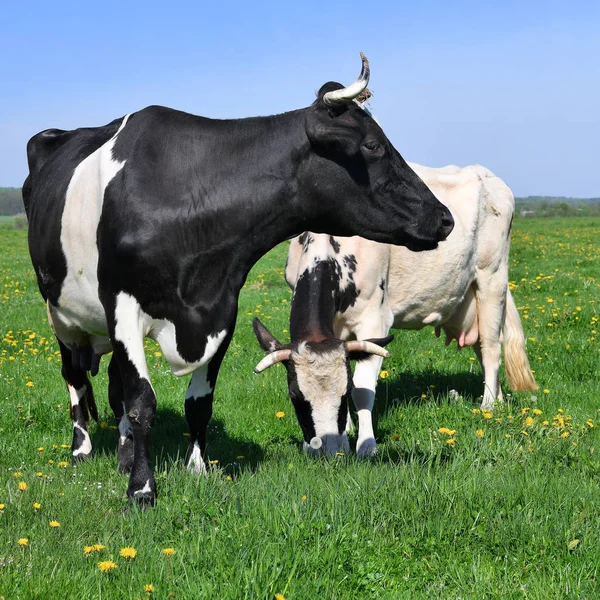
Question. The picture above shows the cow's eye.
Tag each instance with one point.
(371, 145)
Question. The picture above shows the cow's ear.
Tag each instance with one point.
(359, 355)
(332, 132)
(265, 338)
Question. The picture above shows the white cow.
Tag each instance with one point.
(460, 288)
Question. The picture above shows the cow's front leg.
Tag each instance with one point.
(127, 336)
(363, 395)
(198, 406)
(198, 411)
(116, 399)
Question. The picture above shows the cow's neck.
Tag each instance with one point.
(315, 299)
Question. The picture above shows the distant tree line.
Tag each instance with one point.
(556, 206)
(11, 203)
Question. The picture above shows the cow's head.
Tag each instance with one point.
(319, 383)
(356, 183)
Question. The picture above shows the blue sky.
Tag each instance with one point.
(514, 86)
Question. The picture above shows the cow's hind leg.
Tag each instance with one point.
(198, 406)
(82, 402)
(117, 403)
(491, 303)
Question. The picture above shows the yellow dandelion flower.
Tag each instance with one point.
(537, 411)
(54, 524)
(98, 547)
(168, 551)
(63, 463)
(30, 384)
(304, 498)
(525, 410)
(383, 374)
(544, 422)
(546, 391)
(39, 474)
(565, 434)
(529, 421)
(280, 414)
(524, 432)
(1, 506)
(40, 449)
(17, 474)
(87, 550)
(37, 505)
(106, 566)
(487, 414)
(148, 588)
(22, 541)
(279, 597)
(214, 462)
(128, 552)
(589, 423)
(447, 431)
(240, 457)
(22, 486)
(479, 433)
(450, 441)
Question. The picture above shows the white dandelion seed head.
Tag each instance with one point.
(316, 443)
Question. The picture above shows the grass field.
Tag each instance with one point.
(506, 506)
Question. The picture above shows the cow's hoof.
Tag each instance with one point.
(144, 497)
(81, 457)
(367, 448)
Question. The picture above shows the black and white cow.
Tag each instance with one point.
(352, 287)
(148, 226)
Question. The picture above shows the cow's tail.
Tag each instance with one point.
(516, 363)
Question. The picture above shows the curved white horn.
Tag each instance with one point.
(271, 359)
(347, 94)
(368, 347)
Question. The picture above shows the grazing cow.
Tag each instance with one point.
(148, 226)
(352, 287)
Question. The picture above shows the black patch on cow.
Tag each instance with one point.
(334, 244)
(301, 406)
(350, 262)
(305, 240)
(348, 296)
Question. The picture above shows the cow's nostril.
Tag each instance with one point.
(447, 225)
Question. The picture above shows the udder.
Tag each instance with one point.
(462, 326)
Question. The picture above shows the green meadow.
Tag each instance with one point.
(457, 504)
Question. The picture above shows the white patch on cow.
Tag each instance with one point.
(125, 430)
(196, 463)
(131, 326)
(199, 384)
(75, 395)
(323, 381)
(79, 307)
(86, 444)
(164, 332)
(145, 490)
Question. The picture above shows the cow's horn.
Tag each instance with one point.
(348, 94)
(368, 347)
(271, 359)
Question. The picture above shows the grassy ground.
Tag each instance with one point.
(506, 506)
